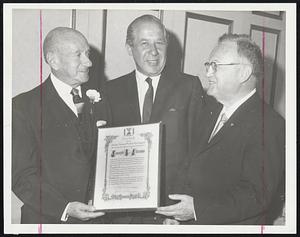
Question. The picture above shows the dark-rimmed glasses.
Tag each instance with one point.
(214, 65)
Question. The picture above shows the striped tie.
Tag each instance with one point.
(220, 124)
(78, 101)
(148, 102)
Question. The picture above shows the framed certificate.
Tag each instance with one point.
(127, 174)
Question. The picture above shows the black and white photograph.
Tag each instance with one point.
(149, 118)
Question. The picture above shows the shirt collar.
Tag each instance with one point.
(141, 77)
(61, 87)
(231, 109)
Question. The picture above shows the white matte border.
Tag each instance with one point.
(289, 227)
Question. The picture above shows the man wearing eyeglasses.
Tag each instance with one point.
(236, 174)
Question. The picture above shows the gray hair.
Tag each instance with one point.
(248, 49)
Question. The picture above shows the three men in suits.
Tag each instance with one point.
(154, 93)
(53, 136)
(235, 175)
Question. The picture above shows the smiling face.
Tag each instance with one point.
(149, 48)
(224, 84)
(71, 57)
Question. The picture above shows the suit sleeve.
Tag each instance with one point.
(195, 111)
(27, 176)
(250, 197)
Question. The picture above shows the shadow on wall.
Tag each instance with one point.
(96, 73)
(279, 79)
(280, 90)
(174, 53)
(175, 56)
(276, 214)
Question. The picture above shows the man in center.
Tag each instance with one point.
(153, 93)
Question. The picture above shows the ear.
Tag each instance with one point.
(129, 49)
(52, 60)
(245, 73)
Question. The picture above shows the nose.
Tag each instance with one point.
(86, 61)
(209, 71)
(154, 50)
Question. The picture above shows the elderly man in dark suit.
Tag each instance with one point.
(54, 134)
(154, 93)
(236, 173)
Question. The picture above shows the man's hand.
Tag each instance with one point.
(181, 211)
(82, 211)
(169, 221)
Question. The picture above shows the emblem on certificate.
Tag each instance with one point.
(128, 168)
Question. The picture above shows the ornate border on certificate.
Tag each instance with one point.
(106, 196)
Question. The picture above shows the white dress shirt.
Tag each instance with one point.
(64, 92)
(142, 87)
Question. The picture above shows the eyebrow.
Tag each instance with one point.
(80, 51)
(159, 39)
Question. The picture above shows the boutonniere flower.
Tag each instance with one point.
(93, 95)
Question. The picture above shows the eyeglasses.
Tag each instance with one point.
(214, 65)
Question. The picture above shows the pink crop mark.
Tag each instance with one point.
(41, 121)
(262, 227)
(263, 121)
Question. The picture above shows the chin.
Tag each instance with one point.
(84, 79)
(209, 91)
(155, 72)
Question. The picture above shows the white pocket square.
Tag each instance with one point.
(172, 110)
(101, 123)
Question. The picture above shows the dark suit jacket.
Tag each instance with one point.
(235, 177)
(178, 102)
(52, 154)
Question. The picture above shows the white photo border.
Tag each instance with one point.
(289, 227)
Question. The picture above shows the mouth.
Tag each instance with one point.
(211, 82)
(153, 62)
(84, 71)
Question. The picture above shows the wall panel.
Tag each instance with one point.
(267, 39)
(201, 35)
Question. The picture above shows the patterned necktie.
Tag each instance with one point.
(220, 124)
(148, 102)
(78, 101)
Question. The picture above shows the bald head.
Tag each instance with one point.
(58, 37)
(67, 52)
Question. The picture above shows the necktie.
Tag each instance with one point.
(78, 101)
(220, 124)
(148, 101)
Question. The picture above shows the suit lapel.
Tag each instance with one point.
(238, 118)
(132, 98)
(57, 106)
(164, 90)
(211, 112)
(241, 114)
(87, 127)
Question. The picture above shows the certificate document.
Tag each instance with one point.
(127, 174)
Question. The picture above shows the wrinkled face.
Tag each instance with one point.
(224, 83)
(149, 48)
(72, 60)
